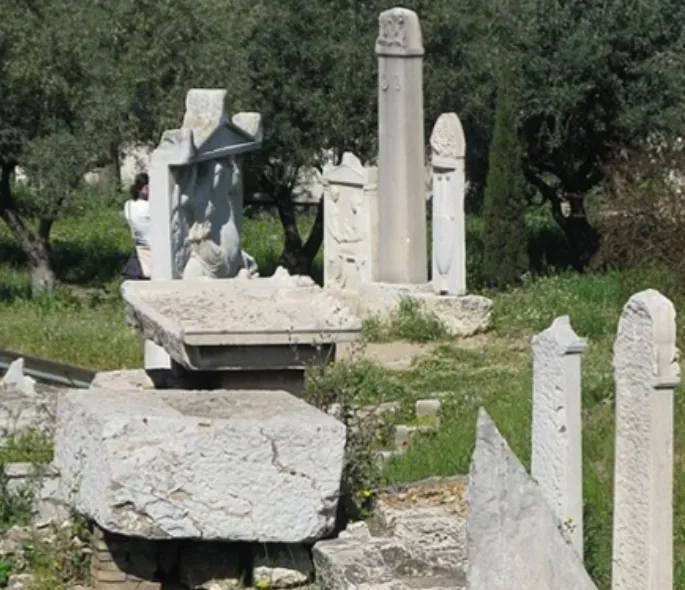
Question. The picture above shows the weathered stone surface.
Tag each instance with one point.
(401, 165)
(463, 316)
(206, 109)
(26, 404)
(42, 482)
(557, 462)
(350, 245)
(133, 379)
(428, 409)
(210, 324)
(281, 566)
(15, 379)
(448, 147)
(513, 535)
(416, 540)
(646, 372)
(229, 465)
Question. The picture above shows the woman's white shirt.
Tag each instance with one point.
(137, 214)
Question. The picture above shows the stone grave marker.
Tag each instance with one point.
(557, 461)
(646, 373)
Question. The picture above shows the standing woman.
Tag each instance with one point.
(137, 214)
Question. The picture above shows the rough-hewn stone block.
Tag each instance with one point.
(226, 465)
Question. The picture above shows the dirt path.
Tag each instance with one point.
(393, 355)
(401, 354)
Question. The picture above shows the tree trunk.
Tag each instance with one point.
(36, 247)
(296, 257)
(584, 238)
(116, 162)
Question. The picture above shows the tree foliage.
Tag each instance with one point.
(87, 79)
(598, 77)
(505, 254)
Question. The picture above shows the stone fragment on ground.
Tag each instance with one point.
(242, 465)
(24, 403)
(417, 539)
(281, 566)
(514, 538)
(15, 379)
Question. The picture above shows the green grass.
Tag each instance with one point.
(83, 324)
(409, 322)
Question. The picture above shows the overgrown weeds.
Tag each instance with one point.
(60, 559)
(32, 445)
(410, 321)
(329, 389)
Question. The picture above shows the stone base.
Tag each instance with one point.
(462, 315)
(416, 539)
(123, 563)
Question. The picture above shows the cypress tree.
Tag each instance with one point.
(505, 256)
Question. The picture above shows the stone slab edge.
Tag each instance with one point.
(379, 299)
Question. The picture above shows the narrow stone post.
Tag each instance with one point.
(646, 373)
(448, 147)
(557, 458)
(401, 162)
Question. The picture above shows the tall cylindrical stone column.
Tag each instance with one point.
(401, 162)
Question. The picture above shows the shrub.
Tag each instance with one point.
(333, 389)
(642, 217)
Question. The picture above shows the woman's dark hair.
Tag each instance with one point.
(142, 179)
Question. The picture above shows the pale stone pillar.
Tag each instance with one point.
(401, 162)
(448, 147)
(646, 373)
(175, 147)
(347, 224)
(557, 461)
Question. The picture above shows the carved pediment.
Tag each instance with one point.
(226, 140)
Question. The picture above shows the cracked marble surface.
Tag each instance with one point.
(240, 465)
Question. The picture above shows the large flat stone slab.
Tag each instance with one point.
(260, 323)
(223, 465)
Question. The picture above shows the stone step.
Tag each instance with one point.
(416, 539)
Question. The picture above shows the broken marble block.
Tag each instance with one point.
(515, 539)
(234, 465)
(279, 322)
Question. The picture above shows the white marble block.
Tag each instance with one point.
(261, 323)
(401, 162)
(448, 147)
(514, 541)
(235, 465)
(557, 458)
(349, 204)
(646, 372)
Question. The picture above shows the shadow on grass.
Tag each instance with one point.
(93, 264)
